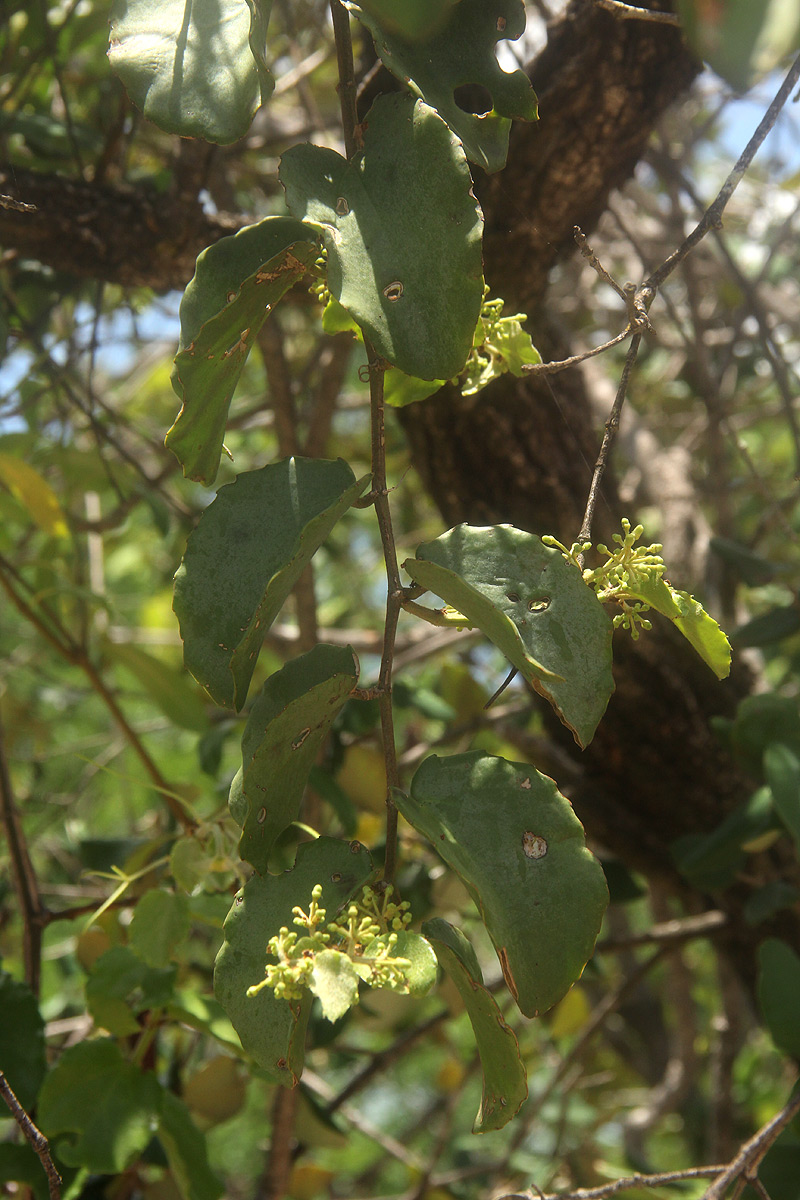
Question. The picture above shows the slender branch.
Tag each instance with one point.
(346, 86)
(753, 1151)
(35, 1136)
(25, 884)
(380, 491)
(275, 1181)
(553, 368)
(391, 1145)
(76, 654)
(612, 427)
(619, 1185)
(679, 930)
(712, 217)
(379, 1061)
(628, 12)
(394, 602)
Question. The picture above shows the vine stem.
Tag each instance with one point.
(34, 1136)
(380, 491)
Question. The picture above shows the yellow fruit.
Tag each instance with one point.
(571, 1014)
(216, 1092)
(450, 1075)
(93, 942)
(363, 776)
(307, 1180)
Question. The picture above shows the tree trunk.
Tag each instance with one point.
(523, 451)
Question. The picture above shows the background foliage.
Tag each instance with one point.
(680, 1039)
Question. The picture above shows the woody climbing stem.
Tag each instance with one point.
(379, 491)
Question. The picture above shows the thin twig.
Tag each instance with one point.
(380, 491)
(275, 1181)
(628, 12)
(679, 930)
(35, 1136)
(753, 1150)
(26, 886)
(620, 1185)
(75, 654)
(553, 368)
(384, 1058)
(612, 426)
(712, 217)
(346, 86)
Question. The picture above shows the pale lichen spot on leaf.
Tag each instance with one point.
(526, 784)
(534, 845)
(262, 816)
(301, 737)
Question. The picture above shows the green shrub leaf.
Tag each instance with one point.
(458, 59)
(243, 559)
(273, 1030)
(106, 1105)
(160, 922)
(236, 283)
(534, 606)
(197, 70)
(779, 994)
(782, 768)
(287, 724)
(403, 234)
(540, 891)
(22, 1047)
(505, 1085)
(186, 1151)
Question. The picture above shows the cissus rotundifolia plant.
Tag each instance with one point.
(388, 235)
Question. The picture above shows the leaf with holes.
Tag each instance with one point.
(456, 71)
(287, 724)
(520, 850)
(243, 559)
(236, 283)
(403, 234)
(505, 1086)
(534, 606)
(196, 69)
(271, 1030)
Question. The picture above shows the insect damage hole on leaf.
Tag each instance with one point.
(393, 291)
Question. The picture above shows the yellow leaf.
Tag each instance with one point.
(32, 491)
(571, 1014)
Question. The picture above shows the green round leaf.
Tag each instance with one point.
(243, 559)
(271, 1030)
(287, 725)
(195, 69)
(520, 850)
(107, 1106)
(534, 606)
(236, 283)
(403, 234)
(456, 62)
(22, 1046)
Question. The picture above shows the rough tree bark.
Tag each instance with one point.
(522, 452)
